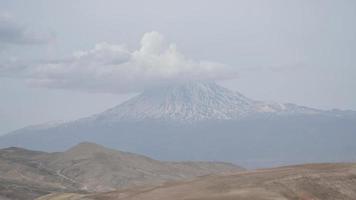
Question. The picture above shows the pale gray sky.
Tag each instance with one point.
(301, 51)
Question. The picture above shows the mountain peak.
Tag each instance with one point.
(193, 101)
(86, 148)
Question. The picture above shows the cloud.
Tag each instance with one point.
(12, 68)
(116, 69)
(12, 33)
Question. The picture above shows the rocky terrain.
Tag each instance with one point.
(88, 167)
(302, 182)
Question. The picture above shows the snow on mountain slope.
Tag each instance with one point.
(187, 103)
(194, 101)
(204, 121)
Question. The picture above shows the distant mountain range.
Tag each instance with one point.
(88, 167)
(204, 121)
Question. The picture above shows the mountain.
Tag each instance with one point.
(204, 121)
(88, 167)
(303, 182)
(193, 101)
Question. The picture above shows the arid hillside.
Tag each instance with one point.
(303, 182)
(89, 167)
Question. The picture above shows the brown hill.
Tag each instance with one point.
(88, 167)
(24, 176)
(304, 182)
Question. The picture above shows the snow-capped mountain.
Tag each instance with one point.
(204, 121)
(194, 101)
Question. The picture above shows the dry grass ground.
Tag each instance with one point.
(303, 182)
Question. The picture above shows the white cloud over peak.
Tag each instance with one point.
(116, 69)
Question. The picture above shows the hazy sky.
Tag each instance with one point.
(60, 60)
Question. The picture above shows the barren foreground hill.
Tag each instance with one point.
(303, 182)
(88, 167)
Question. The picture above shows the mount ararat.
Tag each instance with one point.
(204, 121)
